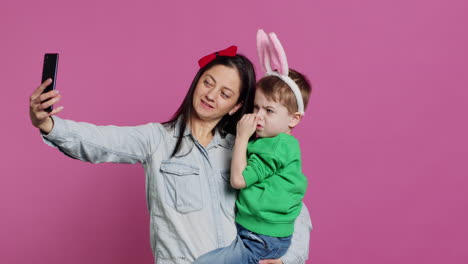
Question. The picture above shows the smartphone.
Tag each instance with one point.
(49, 70)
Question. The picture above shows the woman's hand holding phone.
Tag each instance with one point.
(38, 102)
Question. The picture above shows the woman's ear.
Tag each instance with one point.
(295, 119)
(236, 107)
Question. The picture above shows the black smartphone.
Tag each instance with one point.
(49, 70)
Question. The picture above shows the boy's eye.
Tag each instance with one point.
(269, 111)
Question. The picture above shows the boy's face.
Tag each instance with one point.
(274, 117)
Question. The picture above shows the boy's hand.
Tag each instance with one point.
(247, 126)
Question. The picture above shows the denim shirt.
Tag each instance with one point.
(189, 196)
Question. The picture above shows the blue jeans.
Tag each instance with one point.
(247, 248)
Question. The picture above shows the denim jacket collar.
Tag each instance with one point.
(227, 141)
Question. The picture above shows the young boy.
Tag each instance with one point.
(271, 180)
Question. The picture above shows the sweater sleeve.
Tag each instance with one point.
(259, 167)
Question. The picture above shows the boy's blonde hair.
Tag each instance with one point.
(277, 90)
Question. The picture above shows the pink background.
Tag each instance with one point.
(384, 139)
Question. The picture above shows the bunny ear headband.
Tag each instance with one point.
(273, 61)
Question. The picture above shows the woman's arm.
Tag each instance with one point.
(88, 142)
(298, 252)
(97, 144)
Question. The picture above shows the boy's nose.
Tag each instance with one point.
(260, 114)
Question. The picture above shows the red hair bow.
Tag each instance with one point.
(230, 52)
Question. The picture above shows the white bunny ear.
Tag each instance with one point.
(263, 50)
(272, 57)
(278, 58)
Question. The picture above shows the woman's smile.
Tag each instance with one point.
(205, 104)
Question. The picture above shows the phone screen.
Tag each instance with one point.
(49, 70)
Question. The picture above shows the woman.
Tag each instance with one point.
(186, 159)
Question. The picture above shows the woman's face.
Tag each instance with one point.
(216, 93)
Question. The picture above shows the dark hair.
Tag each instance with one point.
(276, 89)
(229, 122)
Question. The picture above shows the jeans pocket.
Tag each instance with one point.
(276, 247)
(253, 242)
(182, 185)
(282, 245)
(277, 253)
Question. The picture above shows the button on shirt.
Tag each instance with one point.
(189, 197)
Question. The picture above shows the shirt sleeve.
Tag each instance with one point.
(97, 144)
(298, 252)
(260, 167)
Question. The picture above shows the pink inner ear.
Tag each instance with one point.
(278, 60)
(263, 50)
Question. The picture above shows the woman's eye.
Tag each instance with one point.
(225, 95)
(269, 111)
(207, 83)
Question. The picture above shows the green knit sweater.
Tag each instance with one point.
(275, 186)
